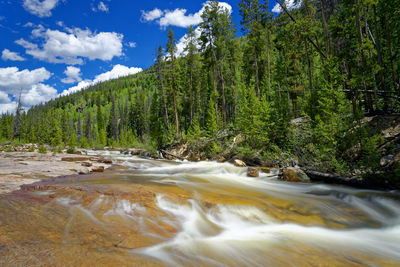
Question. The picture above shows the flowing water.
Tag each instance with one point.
(163, 213)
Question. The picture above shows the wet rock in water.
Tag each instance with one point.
(98, 169)
(83, 171)
(265, 169)
(267, 163)
(193, 157)
(221, 160)
(239, 163)
(136, 152)
(86, 164)
(291, 174)
(105, 161)
(74, 159)
(252, 172)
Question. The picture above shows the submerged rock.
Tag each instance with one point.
(292, 174)
(252, 172)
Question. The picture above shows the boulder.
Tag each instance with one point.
(86, 164)
(239, 163)
(291, 174)
(105, 161)
(221, 160)
(386, 160)
(252, 172)
(98, 169)
(136, 152)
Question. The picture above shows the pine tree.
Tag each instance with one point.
(171, 50)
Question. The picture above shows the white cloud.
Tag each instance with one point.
(182, 43)
(13, 56)
(72, 46)
(29, 25)
(39, 93)
(152, 14)
(12, 79)
(73, 75)
(178, 16)
(40, 8)
(116, 72)
(4, 98)
(290, 4)
(10, 107)
(28, 83)
(102, 7)
(132, 44)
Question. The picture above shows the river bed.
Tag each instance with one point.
(165, 213)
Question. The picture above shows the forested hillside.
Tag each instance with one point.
(328, 62)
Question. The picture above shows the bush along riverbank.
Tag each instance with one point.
(368, 155)
(371, 158)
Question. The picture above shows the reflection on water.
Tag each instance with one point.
(196, 214)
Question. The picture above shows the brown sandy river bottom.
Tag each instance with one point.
(159, 213)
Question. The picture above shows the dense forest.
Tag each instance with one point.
(328, 63)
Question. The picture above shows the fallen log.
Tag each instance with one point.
(163, 152)
(333, 178)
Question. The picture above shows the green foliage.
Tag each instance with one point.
(42, 149)
(254, 85)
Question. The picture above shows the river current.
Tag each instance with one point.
(165, 213)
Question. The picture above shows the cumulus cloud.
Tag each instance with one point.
(4, 98)
(72, 46)
(182, 43)
(152, 14)
(116, 72)
(178, 17)
(10, 107)
(13, 56)
(290, 4)
(40, 8)
(38, 93)
(73, 75)
(28, 83)
(132, 44)
(12, 79)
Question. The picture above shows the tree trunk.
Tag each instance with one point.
(223, 100)
(164, 100)
(389, 41)
(175, 110)
(257, 78)
(268, 63)
(191, 95)
(308, 66)
(380, 61)
(215, 95)
(324, 24)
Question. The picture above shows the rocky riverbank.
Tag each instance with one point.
(19, 168)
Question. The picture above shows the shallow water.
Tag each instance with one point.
(196, 214)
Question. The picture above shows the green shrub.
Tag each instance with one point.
(42, 149)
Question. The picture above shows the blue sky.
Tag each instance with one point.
(53, 47)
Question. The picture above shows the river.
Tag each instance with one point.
(164, 213)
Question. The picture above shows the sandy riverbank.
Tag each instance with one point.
(19, 168)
